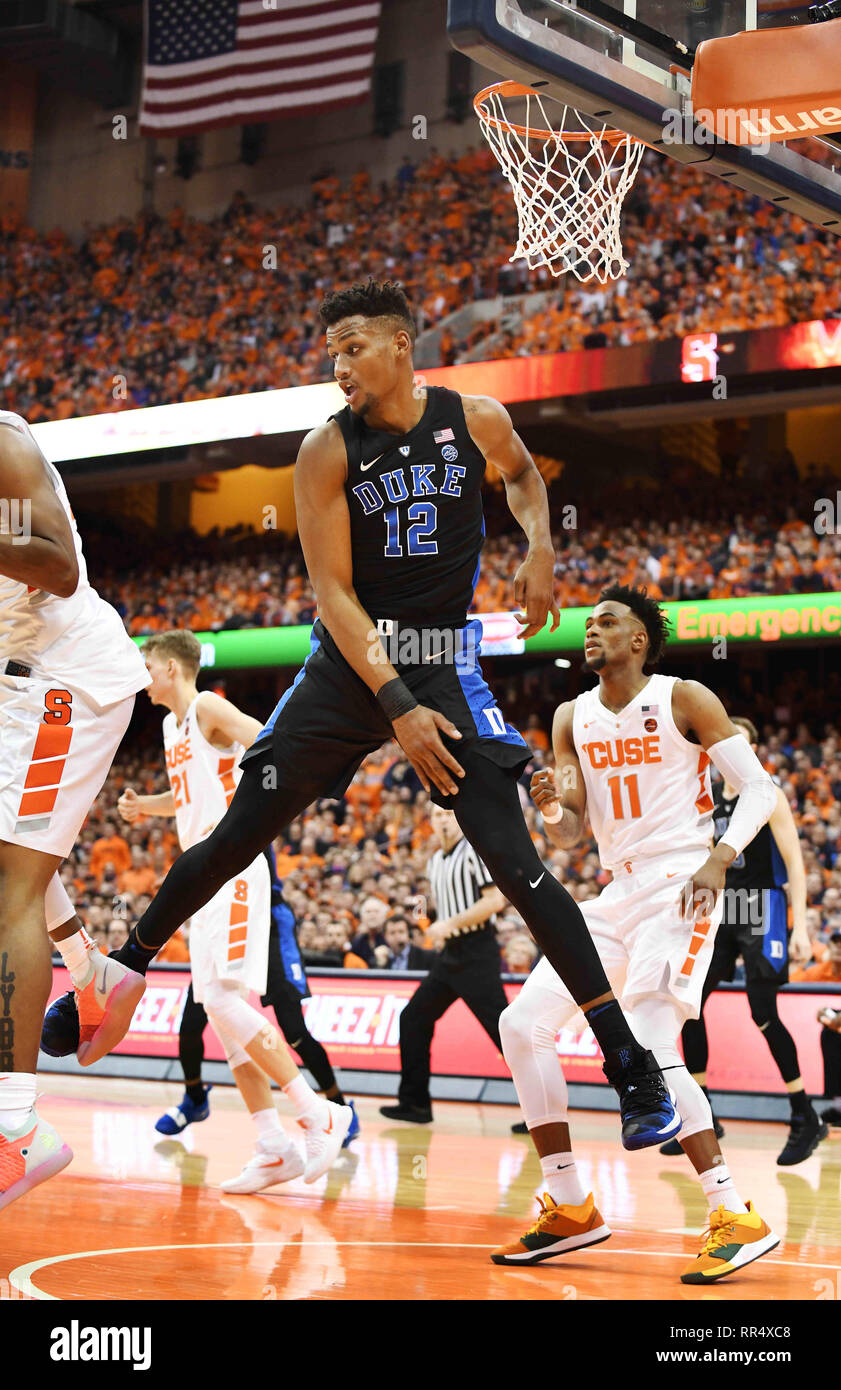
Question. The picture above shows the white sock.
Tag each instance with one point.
(561, 1180)
(304, 1101)
(718, 1187)
(17, 1097)
(270, 1132)
(76, 956)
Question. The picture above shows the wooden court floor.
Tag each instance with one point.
(407, 1213)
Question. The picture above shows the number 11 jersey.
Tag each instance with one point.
(648, 788)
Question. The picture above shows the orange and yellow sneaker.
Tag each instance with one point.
(28, 1156)
(106, 1003)
(733, 1240)
(557, 1230)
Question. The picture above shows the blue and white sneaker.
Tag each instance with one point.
(354, 1126)
(646, 1104)
(178, 1117)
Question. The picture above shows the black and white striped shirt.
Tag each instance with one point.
(456, 880)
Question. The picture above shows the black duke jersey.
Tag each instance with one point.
(416, 520)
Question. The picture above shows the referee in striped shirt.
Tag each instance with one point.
(467, 968)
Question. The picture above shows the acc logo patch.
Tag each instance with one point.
(650, 725)
(450, 453)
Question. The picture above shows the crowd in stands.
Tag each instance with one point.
(354, 871)
(153, 309)
(243, 580)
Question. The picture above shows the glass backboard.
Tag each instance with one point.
(595, 56)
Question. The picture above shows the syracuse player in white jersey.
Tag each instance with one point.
(68, 677)
(634, 752)
(204, 737)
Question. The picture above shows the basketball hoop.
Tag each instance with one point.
(569, 178)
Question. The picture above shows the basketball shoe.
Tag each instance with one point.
(646, 1105)
(324, 1134)
(732, 1241)
(29, 1155)
(106, 1003)
(178, 1117)
(92, 1018)
(266, 1168)
(354, 1127)
(556, 1230)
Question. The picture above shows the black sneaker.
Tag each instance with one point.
(805, 1134)
(520, 1127)
(410, 1113)
(672, 1148)
(832, 1116)
(645, 1102)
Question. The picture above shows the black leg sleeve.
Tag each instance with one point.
(255, 817)
(286, 1002)
(487, 807)
(696, 1050)
(191, 1038)
(762, 997)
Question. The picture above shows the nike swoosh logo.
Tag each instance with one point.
(671, 875)
(537, 880)
(275, 1163)
(435, 655)
(364, 466)
(329, 1129)
(100, 990)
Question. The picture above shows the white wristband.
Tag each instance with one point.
(555, 816)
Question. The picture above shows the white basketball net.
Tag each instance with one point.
(569, 192)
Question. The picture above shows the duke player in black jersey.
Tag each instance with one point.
(755, 927)
(389, 511)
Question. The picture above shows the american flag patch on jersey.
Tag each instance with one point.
(441, 436)
(649, 709)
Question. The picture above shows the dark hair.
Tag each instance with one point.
(648, 611)
(373, 299)
(747, 725)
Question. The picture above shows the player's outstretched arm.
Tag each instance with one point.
(560, 795)
(219, 718)
(491, 430)
(132, 806)
(324, 531)
(46, 559)
(784, 830)
(698, 711)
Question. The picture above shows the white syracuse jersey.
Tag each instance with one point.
(648, 788)
(203, 778)
(78, 642)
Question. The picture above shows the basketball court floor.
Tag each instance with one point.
(407, 1213)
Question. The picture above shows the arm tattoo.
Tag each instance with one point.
(7, 1023)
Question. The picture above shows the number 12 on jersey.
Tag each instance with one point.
(423, 519)
(633, 794)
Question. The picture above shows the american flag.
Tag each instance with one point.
(235, 62)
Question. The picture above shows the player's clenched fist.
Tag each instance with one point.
(129, 805)
(543, 791)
